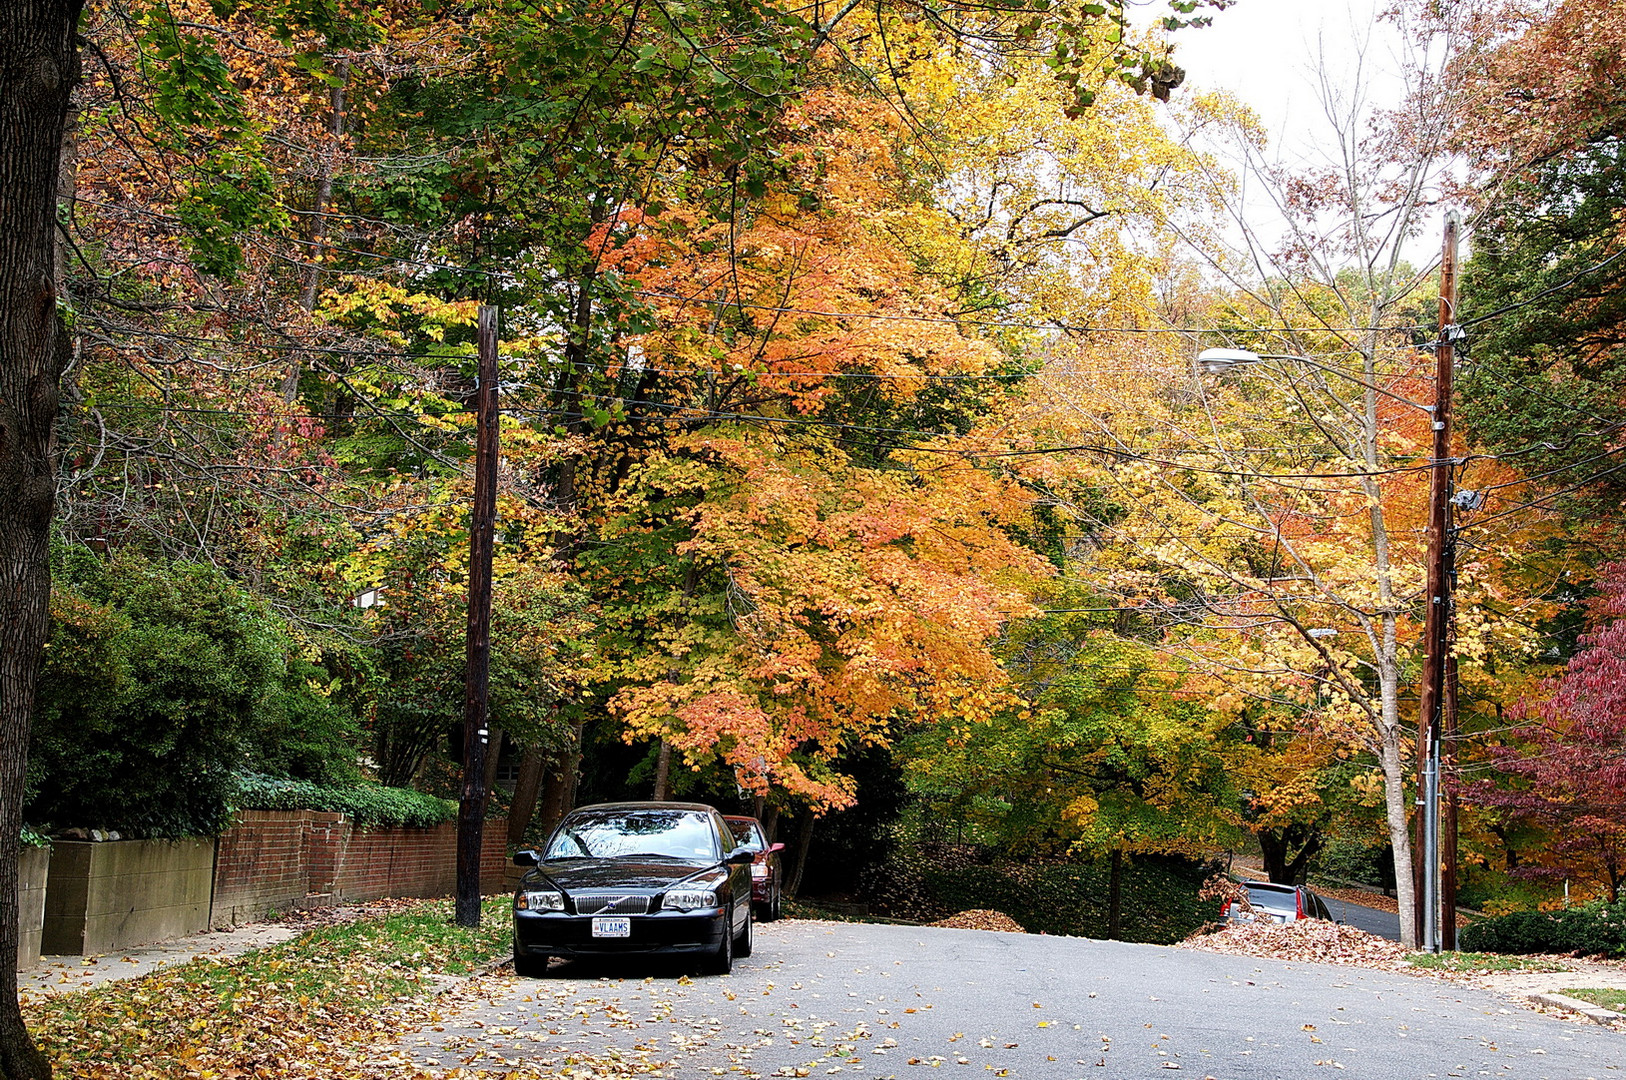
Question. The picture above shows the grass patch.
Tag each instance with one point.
(307, 1007)
(1480, 961)
(423, 937)
(1602, 998)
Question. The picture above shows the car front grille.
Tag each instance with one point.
(609, 903)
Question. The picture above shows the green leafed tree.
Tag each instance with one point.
(1110, 756)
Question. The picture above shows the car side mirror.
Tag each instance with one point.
(527, 857)
(740, 857)
(774, 848)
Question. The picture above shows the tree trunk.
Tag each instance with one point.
(559, 786)
(493, 762)
(804, 840)
(663, 772)
(319, 207)
(1115, 893)
(770, 824)
(1394, 800)
(527, 789)
(38, 70)
(1274, 845)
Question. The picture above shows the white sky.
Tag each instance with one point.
(1268, 53)
(1265, 52)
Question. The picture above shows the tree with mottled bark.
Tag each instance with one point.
(38, 68)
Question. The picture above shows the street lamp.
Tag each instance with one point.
(1220, 361)
(1435, 872)
(1224, 361)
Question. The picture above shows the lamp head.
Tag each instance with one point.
(1219, 361)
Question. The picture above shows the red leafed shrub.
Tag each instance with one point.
(1568, 773)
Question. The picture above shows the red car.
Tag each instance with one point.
(767, 877)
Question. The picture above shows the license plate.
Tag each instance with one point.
(616, 927)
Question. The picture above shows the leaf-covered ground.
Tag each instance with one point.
(327, 1004)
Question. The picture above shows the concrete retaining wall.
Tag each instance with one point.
(102, 897)
(33, 864)
(105, 896)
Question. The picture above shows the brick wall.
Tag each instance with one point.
(279, 859)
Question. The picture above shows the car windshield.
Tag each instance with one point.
(611, 834)
(748, 835)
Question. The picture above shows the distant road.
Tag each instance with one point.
(1372, 920)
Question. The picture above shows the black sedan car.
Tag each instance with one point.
(659, 878)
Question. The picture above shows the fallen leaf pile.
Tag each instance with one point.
(1307, 940)
(981, 919)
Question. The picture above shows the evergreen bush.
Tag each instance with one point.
(1158, 902)
(370, 806)
(161, 682)
(1590, 930)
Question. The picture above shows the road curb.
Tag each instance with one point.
(1606, 1017)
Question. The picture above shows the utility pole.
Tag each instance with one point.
(476, 700)
(1437, 622)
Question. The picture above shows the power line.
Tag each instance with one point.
(1544, 293)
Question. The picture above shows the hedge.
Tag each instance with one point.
(1591, 930)
(1158, 901)
(370, 806)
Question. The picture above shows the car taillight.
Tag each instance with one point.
(1299, 895)
(1225, 909)
(759, 870)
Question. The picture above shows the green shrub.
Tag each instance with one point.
(1354, 861)
(1591, 930)
(161, 682)
(1158, 902)
(370, 806)
(149, 694)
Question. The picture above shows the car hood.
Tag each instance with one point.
(631, 873)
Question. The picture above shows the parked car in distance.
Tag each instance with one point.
(1274, 903)
(656, 878)
(767, 875)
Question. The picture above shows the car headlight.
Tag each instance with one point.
(528, 900)
(759, 869)
(689, 899)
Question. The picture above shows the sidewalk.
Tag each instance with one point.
(56, 974)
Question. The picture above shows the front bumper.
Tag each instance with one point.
(665, 933)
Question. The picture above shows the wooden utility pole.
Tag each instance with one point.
(1437, 622)
(482, 530)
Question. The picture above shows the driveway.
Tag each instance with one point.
(886, 1001)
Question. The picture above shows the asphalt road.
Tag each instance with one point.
(1382, 923)
(874, 1002)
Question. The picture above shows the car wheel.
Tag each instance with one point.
(722, 961)
(743, 946)
(530, 965)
